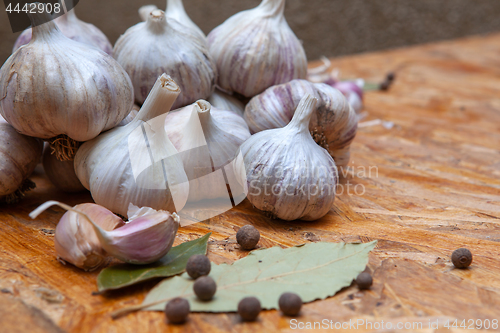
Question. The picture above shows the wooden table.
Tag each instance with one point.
(434, 187)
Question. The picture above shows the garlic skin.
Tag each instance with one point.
(333, 124)
(55, 86)
(60, 173)
(256, 49)
(224, 101)
(285, 172)
(163, 45)
(136, 163)
(76, 241)
(207, 140)
(133, 113)
(19, 155)
(75, 29)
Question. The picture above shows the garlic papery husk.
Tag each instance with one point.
(60, 173)
(207, 140)
(285, 172)
(224, 101)
(55, 86)
(333, 124)
(175, 10)
(256, 49)
(19, 155)
(162, 45)
(136, 163)
(75, 29)
(131, 116)
(75, 239)
(147, 237)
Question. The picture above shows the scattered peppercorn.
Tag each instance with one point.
(364, 281)
(290, 304)
(177, 310)
(461, 258)
(204, 287)
(248, 237)
(198, 265)
(390, 76)
(249, 308)
(385, 85)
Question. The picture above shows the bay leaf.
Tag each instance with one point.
(313, 271)
(173, 263)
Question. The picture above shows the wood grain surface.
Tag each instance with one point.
(423, 188)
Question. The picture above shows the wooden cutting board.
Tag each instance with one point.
(426, 183)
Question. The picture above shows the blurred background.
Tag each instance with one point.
(327, 27)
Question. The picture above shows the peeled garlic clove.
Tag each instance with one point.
(207, 140)
(75, 29)
(163, 45)
(285, 172)
(136, 163)
(333, 124)
(256, 49)
(55, 86)
(60, 173)
(224, 101)
(19, 155)
(75, 239)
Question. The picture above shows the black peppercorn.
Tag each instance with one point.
(290, 304)
(247, 237)
(390, 76)
(385, 85)
(461, 258)
(177, 310)
(198, 265)
(204, 287)
(364, 281)
(249, 308)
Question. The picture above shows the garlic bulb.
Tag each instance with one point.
(207, 140)
(55, 86)
(256, 49)
(162, 45)
(133, 113)
(75, 29)
(285, 172)
(136, 163)
(19, 155)
(60, 173)
(226, 102)
(89, 232)
(333, 124)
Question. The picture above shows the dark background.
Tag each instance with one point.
(327, 27)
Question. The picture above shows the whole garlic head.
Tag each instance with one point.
(285, 172)
(256, 49)
(163, 45)
(333, 124)
(75, 29)
(55, 86)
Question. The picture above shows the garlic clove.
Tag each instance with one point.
(163, 45)
(256, 49)
(333, 125)
(224, 101)
(285, 173)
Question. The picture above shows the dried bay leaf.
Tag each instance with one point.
(313, 271)
(173, 263)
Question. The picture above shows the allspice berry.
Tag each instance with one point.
(198, 265)
(290, 304)
(177, 310)
(204, 288)
(364, 281)
(248, 237)
(249, 308)
(461, 258)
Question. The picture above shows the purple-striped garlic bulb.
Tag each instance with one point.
(75, 29)
(256, 49)
(333, 124)
(285, 173)
(163, 45)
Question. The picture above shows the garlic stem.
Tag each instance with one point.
(174, 6)
(160, 99)
(303, 113)
(274, 7)
(203, 109)
(43, 26)
(156, 22)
